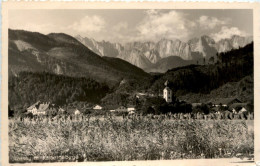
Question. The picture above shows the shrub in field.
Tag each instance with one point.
(114, 138)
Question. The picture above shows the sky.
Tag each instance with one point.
(117, 25)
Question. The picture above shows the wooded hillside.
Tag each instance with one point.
(28, 88)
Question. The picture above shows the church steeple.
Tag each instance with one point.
(166, 83)
(167, 92)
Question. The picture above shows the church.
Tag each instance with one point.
(167, 92)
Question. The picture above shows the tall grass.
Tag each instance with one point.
(95, 139)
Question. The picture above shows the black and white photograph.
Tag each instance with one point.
(103, 85)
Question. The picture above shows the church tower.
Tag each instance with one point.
(167, 92)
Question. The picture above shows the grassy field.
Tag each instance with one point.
(115, 139)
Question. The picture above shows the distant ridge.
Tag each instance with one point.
(168, 63)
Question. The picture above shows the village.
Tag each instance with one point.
(219, 108)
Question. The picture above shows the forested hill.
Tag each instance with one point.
(28, 88)
(231, 66)
(243, 90)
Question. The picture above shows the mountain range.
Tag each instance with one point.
(108, 62)
(150, 56)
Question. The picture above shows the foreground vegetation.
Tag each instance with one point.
(137, 138)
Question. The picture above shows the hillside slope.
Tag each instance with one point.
(242, 90)
(62, 54)
(169, 63)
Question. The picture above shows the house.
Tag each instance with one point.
(236, 107)
(167, 92)
(243, 109)
(234, 111)
(214, 109)
(151, 94)
(77, 112)
(130, 108)
(97, 107)
(42, 108)
(225, 102)
(140, 95)
(121, 109)
(61, 110)
(195, 104)
(33, 108)
(111, 108)
(131, 112)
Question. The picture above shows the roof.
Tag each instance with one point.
(61, 109)
(166, 83)
(26, 113)
(111, 107)
(215, 109)
(131, 112)
(44, 106)
(34, 105)
(97, 105)
(243, 109)
(236, 105)
(225, 101)
(121, 106)
(130, 106)
(47, 107)
(142, 94)
(196, 104)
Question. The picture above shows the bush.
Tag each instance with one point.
(205, 109)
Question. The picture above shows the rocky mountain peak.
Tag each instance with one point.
(152, 52)
(208, 40)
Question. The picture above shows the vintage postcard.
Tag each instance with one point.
(130, 83)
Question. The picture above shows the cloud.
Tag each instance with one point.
(157, 25)
(89, 24)
(227, 32)
(207, 22)
(120, 26)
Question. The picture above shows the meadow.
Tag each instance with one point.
(116, 139)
